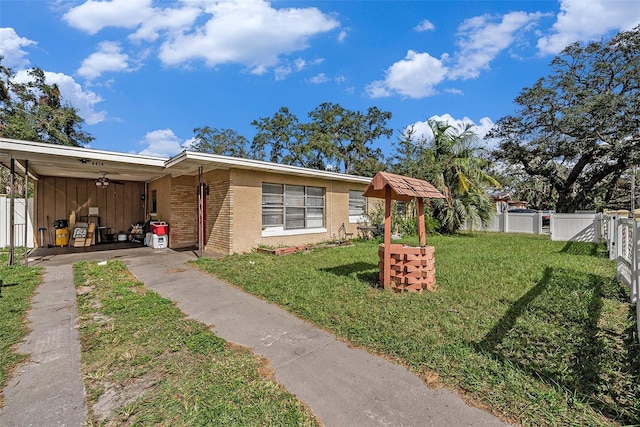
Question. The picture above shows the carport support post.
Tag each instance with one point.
(200, 212)
(12, 206)
(26, 210)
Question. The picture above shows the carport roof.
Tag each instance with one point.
(78, 162)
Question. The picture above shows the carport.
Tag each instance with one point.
(73, 179)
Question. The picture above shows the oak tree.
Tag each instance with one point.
(579, 127)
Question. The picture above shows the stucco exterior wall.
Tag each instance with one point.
(162, 187)
(234, 210)
(247, 209)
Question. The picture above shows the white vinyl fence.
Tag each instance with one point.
(626, 247)
(581, 227)
(20, 222)
(576, 227)
(518, 222)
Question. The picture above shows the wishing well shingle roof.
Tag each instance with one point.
(402, 187)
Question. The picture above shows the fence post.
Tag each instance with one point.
(505, 222)
(635, 268)
(613, 236)
(539, 230)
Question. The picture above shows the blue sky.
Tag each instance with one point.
(145, 73)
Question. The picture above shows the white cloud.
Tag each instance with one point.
(92, 16)
(319, 78)
(342, 35)
(425, 25)
(282, 72)
(109, 57)
(163, 143)
(84, 101)
(582, 21)
(415, 76)
(300, 64)
(481, 40)
(172, 20)
(11, 48)
(248, 32)
(423, 130)
(453, 91)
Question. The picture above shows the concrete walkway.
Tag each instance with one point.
(342, 386)
(48, 390)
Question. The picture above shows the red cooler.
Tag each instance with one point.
(160, 228)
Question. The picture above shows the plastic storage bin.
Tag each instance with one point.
(157, 241)
(160, 228)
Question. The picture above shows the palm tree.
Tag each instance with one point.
(461, 175)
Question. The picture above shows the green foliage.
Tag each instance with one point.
(579, 128)
(35, 111)
(539, 331)
(533, 189)
(452, 161)
(225, 142)
(349, 133)
(288, 142)
(404, 219)
(163, 368)
(335, 138)
(18, 284)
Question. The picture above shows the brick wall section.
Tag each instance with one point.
(219, 236)
(183, 224)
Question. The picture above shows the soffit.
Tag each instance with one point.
(75, 162)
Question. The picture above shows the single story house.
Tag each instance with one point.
(221, 204)
(503, 202)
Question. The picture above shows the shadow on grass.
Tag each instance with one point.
(555, 331)
(5, 285)
(366, 272)
(585, 248)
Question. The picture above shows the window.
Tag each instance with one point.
(292, 207)
(357, 206)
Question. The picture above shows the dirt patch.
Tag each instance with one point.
(115, 396)
(83, 290)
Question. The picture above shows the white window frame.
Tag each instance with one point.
(357, 211)
(301, 209)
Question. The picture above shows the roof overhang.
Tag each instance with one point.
(77, 162)
(188, 162)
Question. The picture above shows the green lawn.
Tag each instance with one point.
(144, 363)
(18, 283)
(538, 331)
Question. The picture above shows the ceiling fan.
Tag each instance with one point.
(103, 181)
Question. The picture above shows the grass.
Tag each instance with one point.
(537, 331)
(144, 363)
(18, 284)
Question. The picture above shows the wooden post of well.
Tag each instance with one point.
(421, 229)
(387, 237)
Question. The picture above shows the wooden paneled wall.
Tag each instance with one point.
(119, 205)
